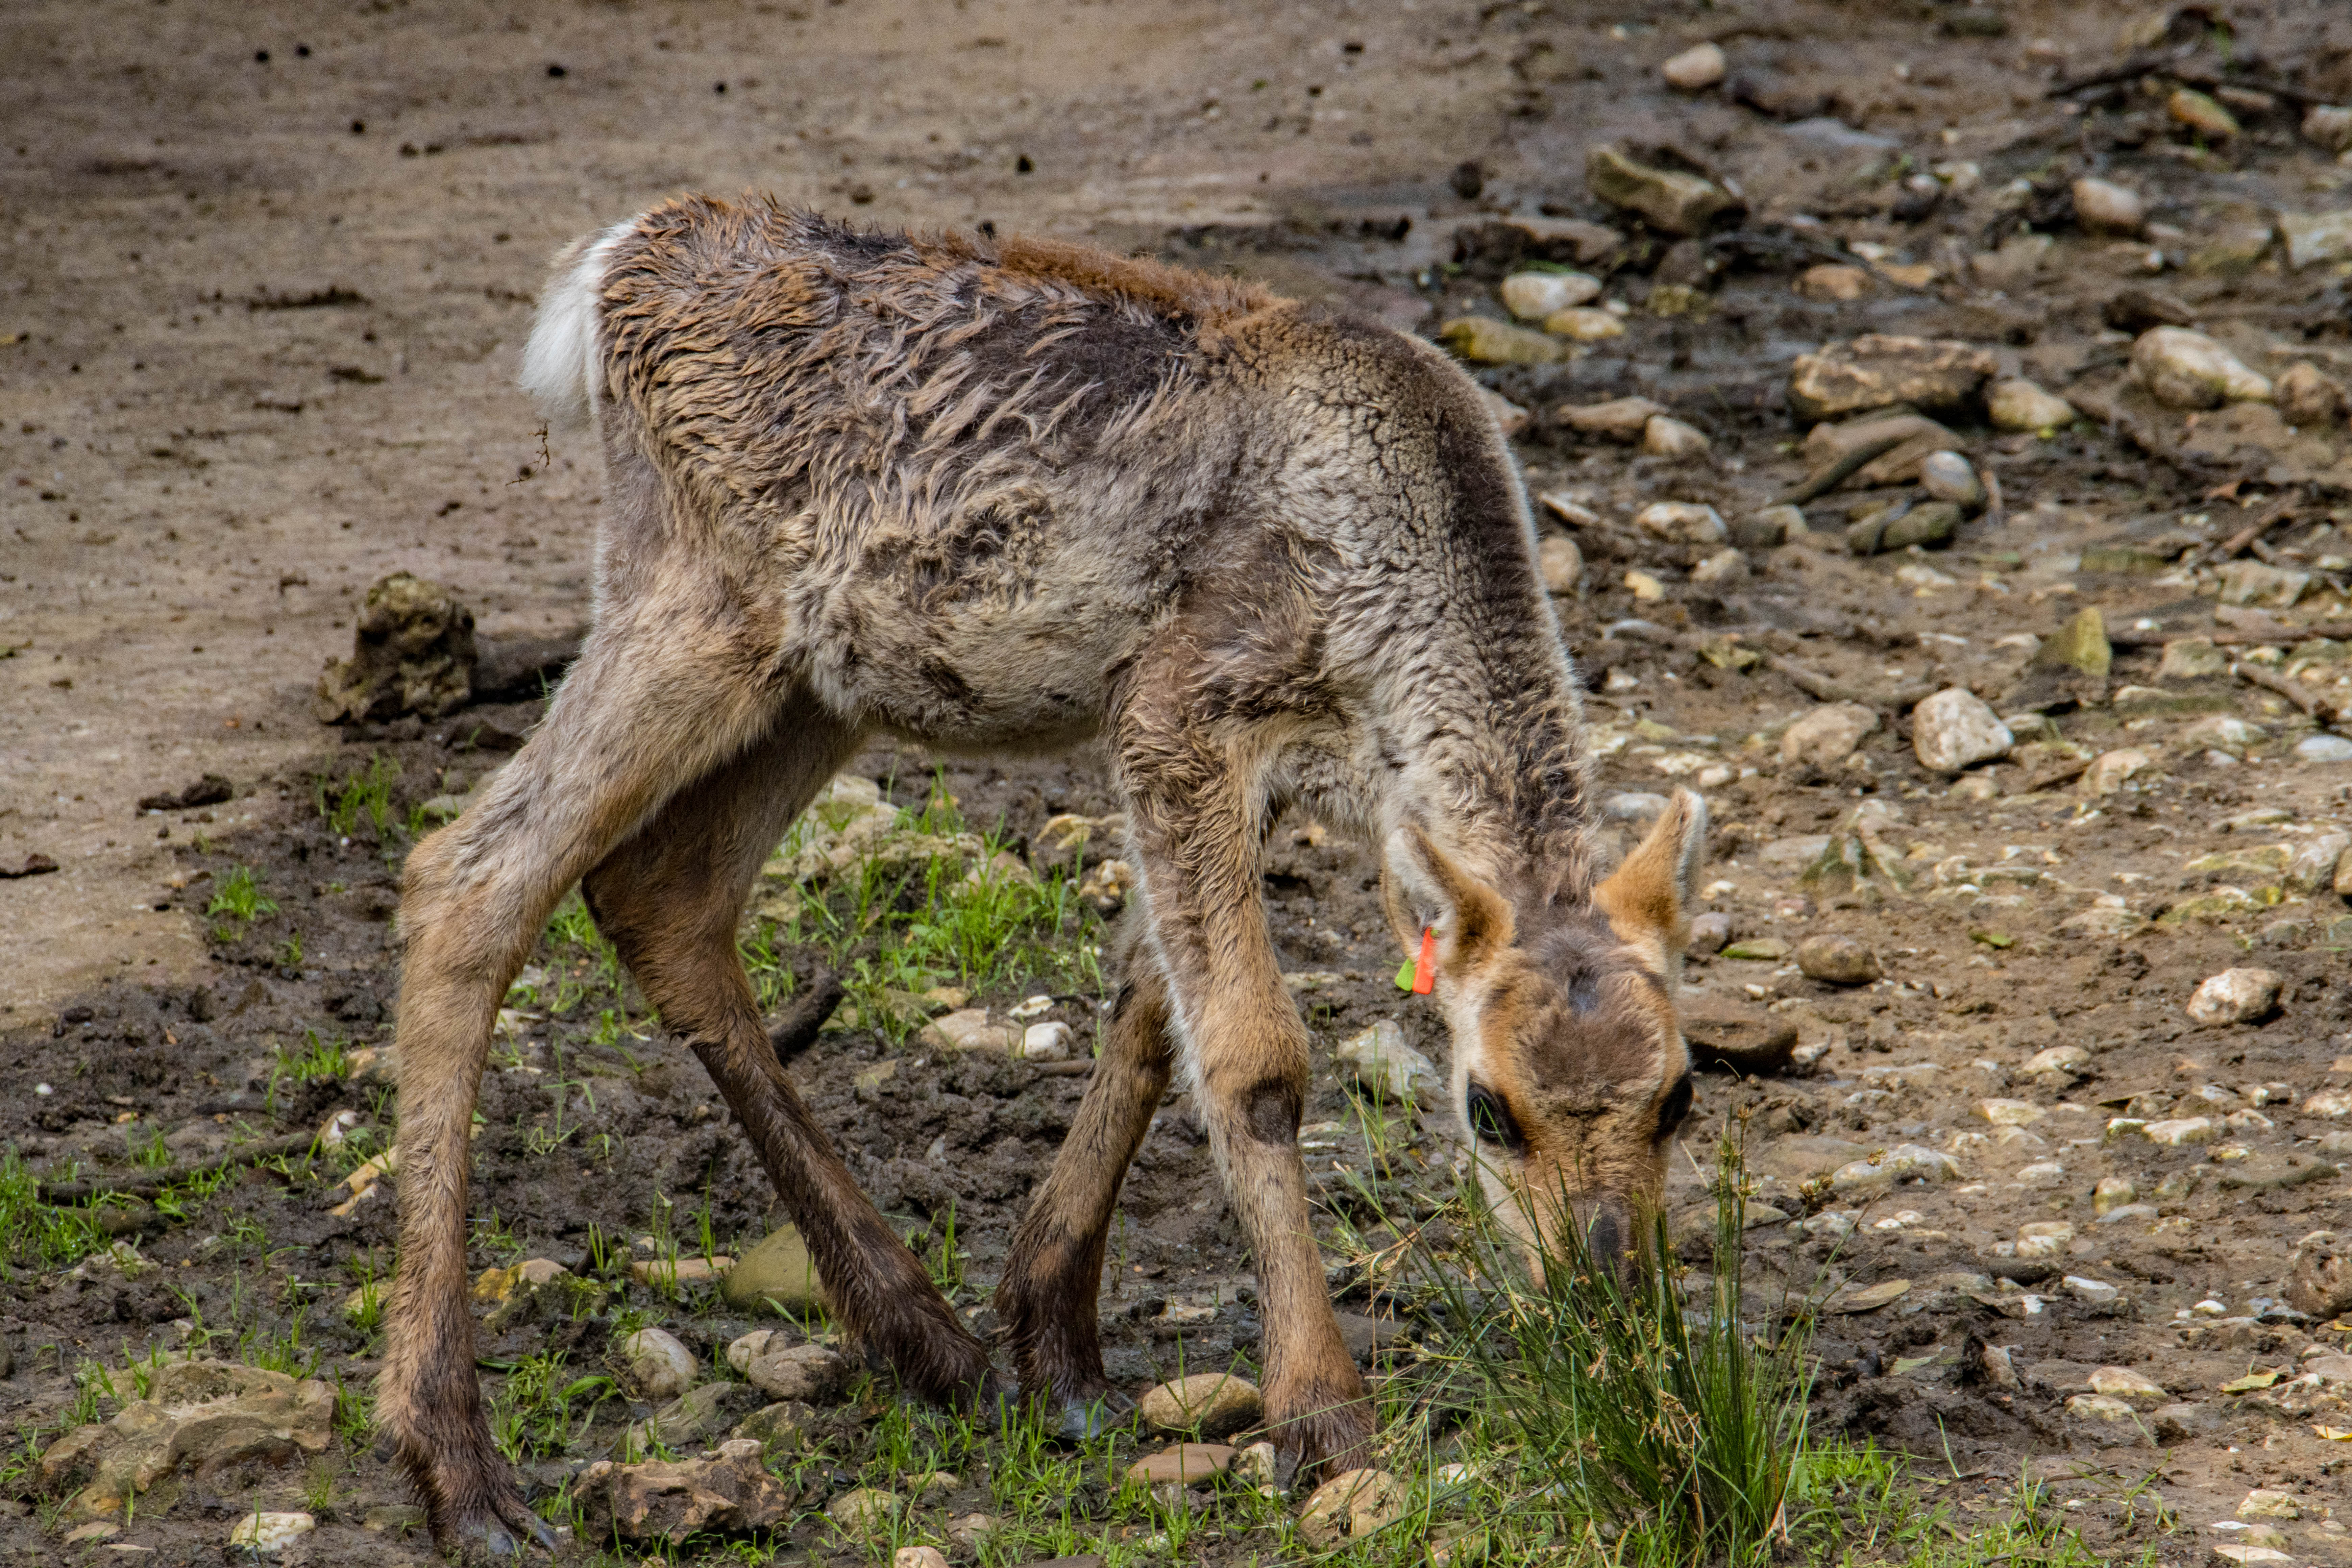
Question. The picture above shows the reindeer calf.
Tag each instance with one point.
(981, 493)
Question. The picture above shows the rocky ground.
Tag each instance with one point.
(2030, 800)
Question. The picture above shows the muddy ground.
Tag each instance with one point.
(260, 322)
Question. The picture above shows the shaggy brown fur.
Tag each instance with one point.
(1018, 493)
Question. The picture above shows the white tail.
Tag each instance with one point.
(559, 363)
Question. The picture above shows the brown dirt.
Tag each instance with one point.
(264, 316)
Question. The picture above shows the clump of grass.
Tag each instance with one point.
(364, 796)
(1665, 1431)
(38, 1235)
(240, 897)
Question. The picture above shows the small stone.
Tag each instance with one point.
(395, 1520)
(2255, 585)
(2264, 1502)
(668, 1273)
(1683, 523)
(1722, 567)
(2180, 1131)
(1509, 418)
(1828, 735)
(2319, 1277)
(1954, 730)
(1618, 420)
(918, 1557)
(967, 1028)
(1047, 1042)
(971, 1530)
(2080, 646)
(2020, 405)
(2100, 1408)
(810, 1374)
(1758, 950)
(1837, 959)
(2066, 1059)
(1671, 438)
(1382, 1063)
(270, 1532)
(1835, 283)
(1708, 932)
(2184, 369)
(1214, 1404)
(1584, 325)
(2335, 1103)
(2311, 868)
(1672, 200)
(1255, 1465)
(2108, 771)
(2193, 659)
(1870, 1298)
(1483, 339)
(1186, 1464)
(2324, 748)
(2123, 1383)
(694, 1417)
(2306, 396)
(778, 1273)
(1107, 886)
(1877, 371)
(1884, 1172)
(2328, 125)
(1770, 526)
(783, 1425)
(2096, 1293)
(2044, 1239)
(2235, 996)
(2236, 1556)
(659, 1366)
(1533, 296)
(1947, 476)
(1561, 565)
(2201, 113)
(863, 1509)
(2112, 1192)
(1354, 1504)
(1644, 586)
(1696, 69)
(2106, 207)
(2315, 237)
(2010, 1112)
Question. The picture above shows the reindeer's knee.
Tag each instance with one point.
(1271, 1109)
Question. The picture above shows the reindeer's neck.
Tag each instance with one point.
(1497, 770)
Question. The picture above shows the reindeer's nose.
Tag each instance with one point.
(1605, 1242)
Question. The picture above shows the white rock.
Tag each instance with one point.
(2044, 1239)
(2313, 237)
(2098, 1292)
(1904, 1162)
(1666, 436)
(2235, 995)
(2110, 208)
(1532, 296)
(2010, 1112)
(1561, 563)
(748, 1348)
(2108, 771)
(2121, 1382)
(2234, 1556)
(2324, 748)
(2328, 125)
(2311, 868)
(1684, 522)
(2333, 1103)
(2265, 1502)
(2183, 369)
(1828, 735)
(2058, 1058)
(2020, 405)
(2180, 1131)
(1724, 566)
(1954, 728)
(660, 1366)
(1947, 476)
(1047, 1042)
(270, 1532)
(1584, 325)
(1695, 69)
(918, 1557)
(1384, 1062)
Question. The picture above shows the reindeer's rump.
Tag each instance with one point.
(973, 474)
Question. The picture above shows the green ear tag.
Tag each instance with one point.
(1404, 975)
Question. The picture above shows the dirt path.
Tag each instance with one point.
(264, 315)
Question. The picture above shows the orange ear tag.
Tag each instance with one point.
(1424, 972)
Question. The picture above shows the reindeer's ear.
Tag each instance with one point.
(1424, 888)
(1647, 899)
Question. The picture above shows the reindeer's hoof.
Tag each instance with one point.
(1085, 1419)
(504, 1531)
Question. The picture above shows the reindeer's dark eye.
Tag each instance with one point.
(1492, 1120)
(1676, 1106)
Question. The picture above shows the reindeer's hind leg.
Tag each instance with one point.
(1047, 1297)
(663, 692)
(669, 898)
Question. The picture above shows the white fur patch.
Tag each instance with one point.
(559, 363)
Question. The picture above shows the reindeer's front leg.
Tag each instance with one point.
(1195, 819)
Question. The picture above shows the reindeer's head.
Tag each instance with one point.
(1569, 1067)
